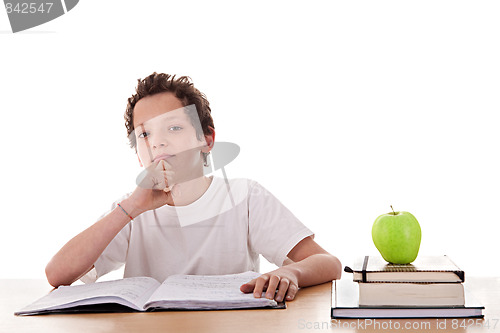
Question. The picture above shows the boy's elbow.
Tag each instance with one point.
(50, 277)
(53, 277)
(336, 268)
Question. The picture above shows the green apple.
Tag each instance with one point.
(397, 237)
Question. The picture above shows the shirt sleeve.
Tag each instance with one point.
(273, 229)
(113, 256)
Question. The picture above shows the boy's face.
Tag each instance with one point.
(164, 131)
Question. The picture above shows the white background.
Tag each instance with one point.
(340, 109)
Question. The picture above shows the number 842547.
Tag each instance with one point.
(28, 7)
(471, 323)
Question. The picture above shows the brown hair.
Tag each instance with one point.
(183, 89)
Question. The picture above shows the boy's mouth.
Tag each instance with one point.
(162, 157)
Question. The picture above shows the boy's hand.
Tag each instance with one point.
(153, 190)
(158, 176)
(282, 280)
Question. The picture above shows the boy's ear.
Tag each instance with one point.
(209, 139)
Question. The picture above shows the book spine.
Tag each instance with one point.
(363, 270)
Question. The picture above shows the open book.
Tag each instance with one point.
(182, 292)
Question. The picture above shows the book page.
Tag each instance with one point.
(207, 292)
(131, 292)
(424, 269)
(422, 263)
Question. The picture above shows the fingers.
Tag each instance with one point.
(260, 283)
(163, 176)
(248, 287)
(162, 165)
(274, 287)
(292, 291)
(157, 176)
(273, 284)
(283, 287)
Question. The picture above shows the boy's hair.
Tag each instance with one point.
(184, 90)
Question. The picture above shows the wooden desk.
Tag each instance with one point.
(309, 312)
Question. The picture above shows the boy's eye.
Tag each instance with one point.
(175, 128)
(143, 135)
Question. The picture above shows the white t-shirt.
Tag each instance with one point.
(223, 232)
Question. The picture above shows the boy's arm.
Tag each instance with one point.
(309, 265)
(78, 256)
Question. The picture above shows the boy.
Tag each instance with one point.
(178, 221)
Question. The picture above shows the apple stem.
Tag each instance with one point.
(393, 210)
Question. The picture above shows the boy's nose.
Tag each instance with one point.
(159, 141)
(160, 144)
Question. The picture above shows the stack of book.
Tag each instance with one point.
(430, 287)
